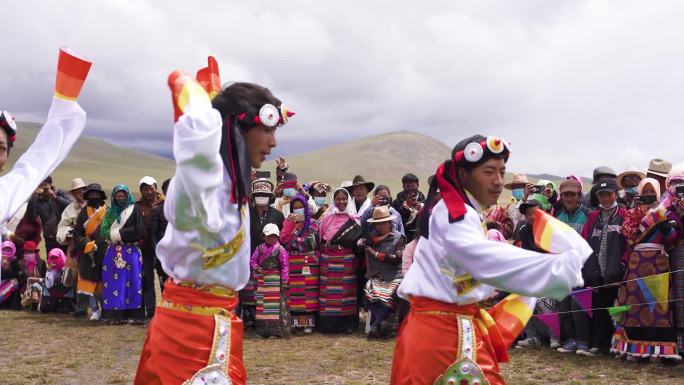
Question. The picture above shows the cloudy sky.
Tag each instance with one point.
(572, 84)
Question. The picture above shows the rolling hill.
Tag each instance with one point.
(382, 159)
(95, 160)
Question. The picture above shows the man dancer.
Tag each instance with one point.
(65, 122)
(195, 336)
(446, 336)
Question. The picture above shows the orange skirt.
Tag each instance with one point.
(428, 343)
(181, 336)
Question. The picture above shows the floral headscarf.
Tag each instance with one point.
(114, 211)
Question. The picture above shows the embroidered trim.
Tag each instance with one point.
(222, 254)
(220, 349)
(197, 310)
(463, 283)
(217, 290)
(212, 374)
(466, 337)
(465, 369)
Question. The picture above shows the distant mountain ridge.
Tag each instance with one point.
(382, 159)
(96, 160)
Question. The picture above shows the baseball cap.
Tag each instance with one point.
(271, 229)
(607, 185)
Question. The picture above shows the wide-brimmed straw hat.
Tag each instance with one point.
(629, 171)
(518, 180)
(659, 167)
(77, 183)
(382, 214)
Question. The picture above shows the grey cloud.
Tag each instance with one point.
(571, 84)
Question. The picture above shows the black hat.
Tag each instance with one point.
(360, 181)
(607, 185)
(527, 204)
(95, 187)
(604, 171)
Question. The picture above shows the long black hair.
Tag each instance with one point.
(239, 104)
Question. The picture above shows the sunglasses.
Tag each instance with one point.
(569, 194)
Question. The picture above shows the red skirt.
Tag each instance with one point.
(181, 336)
(428, 343)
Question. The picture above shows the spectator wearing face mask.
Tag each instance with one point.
(519, 193)
(89, 243)
(603, 232)
(287, 188)
(260, 214)
(319, 193)
(650, 230)
(601, 174)
(260, 211)
(628, 182)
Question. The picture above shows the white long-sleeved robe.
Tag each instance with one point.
(65, 123)
(456, 249)
(198, 205)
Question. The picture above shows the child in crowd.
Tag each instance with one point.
(270, 267)
(11, 274)
(56, 297)
(35, 269)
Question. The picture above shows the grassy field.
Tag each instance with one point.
(57, 349)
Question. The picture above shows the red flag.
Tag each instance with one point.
(72, 71)
(209, 78)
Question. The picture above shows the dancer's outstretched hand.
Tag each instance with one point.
(186, 92)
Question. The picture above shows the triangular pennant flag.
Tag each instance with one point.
(552, 235)
(646, 292)
(583, 299)
(616, 310)
(552, 321)
(655, 289)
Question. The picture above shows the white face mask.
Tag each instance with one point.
(614, 205)
(261, 201)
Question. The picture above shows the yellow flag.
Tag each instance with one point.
(659, 286)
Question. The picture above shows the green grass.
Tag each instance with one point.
(57, 349)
